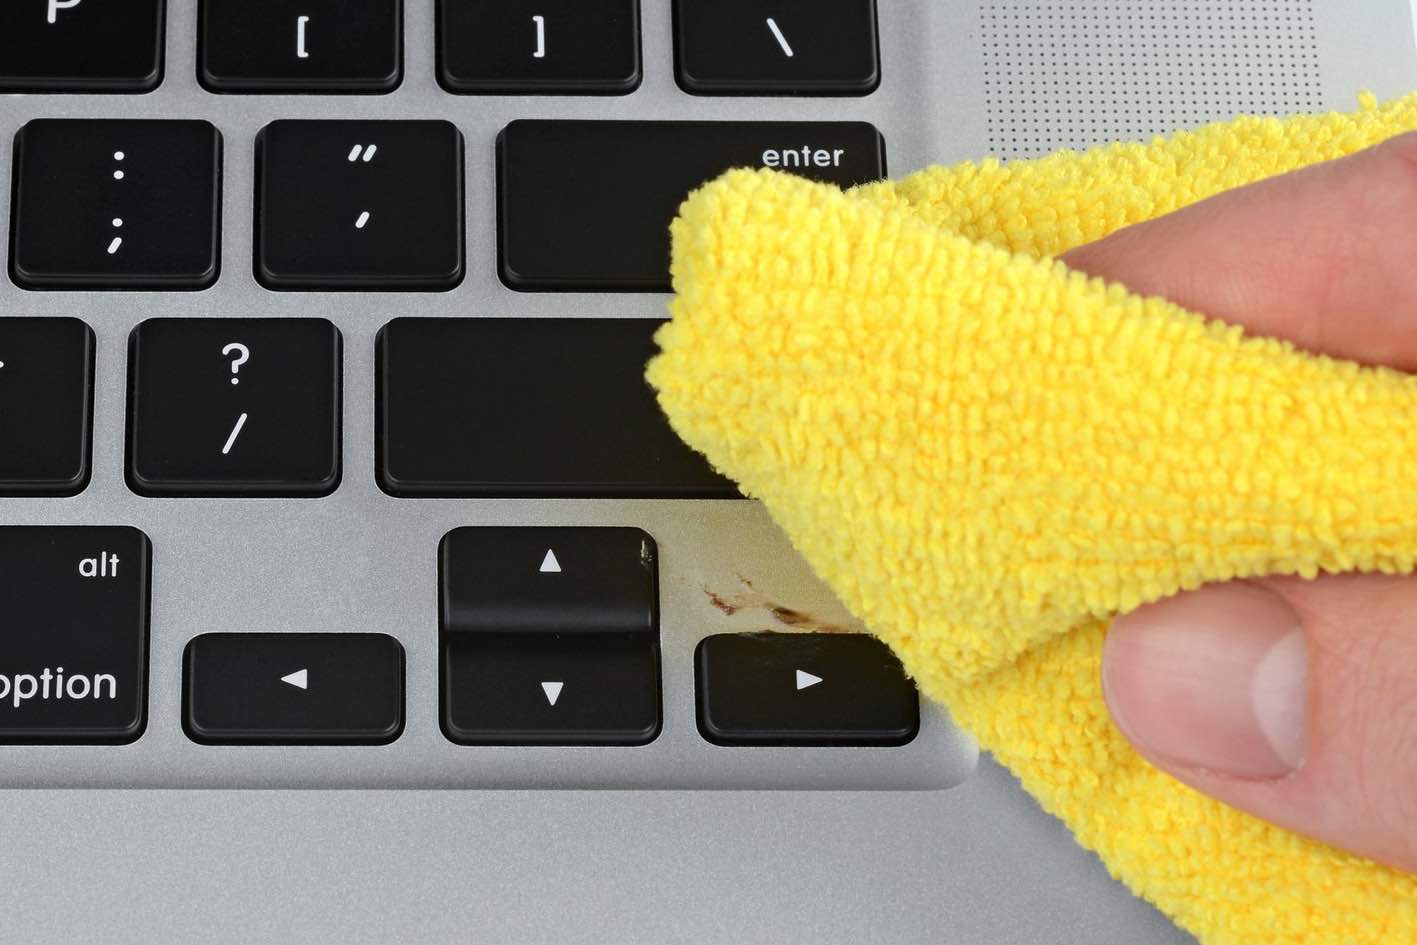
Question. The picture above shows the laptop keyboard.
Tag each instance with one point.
(323, 427)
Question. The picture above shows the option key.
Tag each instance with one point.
(74, 639)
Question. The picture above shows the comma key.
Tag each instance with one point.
(74, 643)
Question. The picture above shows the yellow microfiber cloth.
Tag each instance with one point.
(987, 456)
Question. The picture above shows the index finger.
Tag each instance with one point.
(1325, 257)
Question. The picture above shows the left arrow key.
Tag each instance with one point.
(239, 688)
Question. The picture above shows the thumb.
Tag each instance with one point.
(1294, 700)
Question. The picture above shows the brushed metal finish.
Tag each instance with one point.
(362, 561)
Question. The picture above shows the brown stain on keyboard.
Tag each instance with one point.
(788, 619)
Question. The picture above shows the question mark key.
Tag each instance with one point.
(234, 406)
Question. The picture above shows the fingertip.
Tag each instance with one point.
(1320, 257)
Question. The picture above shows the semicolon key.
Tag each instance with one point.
(116, 204)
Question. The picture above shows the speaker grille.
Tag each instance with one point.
(1074, 74)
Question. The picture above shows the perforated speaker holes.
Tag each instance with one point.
(1075, 74)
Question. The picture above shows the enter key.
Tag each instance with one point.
(586, 205)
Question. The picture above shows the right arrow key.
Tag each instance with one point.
(803, 689)
(806, 680)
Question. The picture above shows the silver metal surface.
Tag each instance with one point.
(975, 863)
(360, 560)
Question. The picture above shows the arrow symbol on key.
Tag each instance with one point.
(552, 690)
(300, 679)
(806, 680)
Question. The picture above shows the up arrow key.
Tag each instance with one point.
(300, 679)
(549, 564)
(806, 680)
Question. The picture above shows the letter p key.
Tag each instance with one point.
(56, 5)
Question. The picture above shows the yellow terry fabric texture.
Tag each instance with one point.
(987, 455)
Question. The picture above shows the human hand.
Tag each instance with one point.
(1294, 700)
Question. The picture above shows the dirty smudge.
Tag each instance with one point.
(787, 619)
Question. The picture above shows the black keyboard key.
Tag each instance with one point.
(803, 689)
(300, 45)
(103, 204)
(503, 580)
(46, 405)
(787, 47)
(80, 45)
(527, 407)
(549, 636)
(541, 46)
(586, 205)
(74, 634)
(550, 689)
(359, 205)
(234, 406)
(293, 689)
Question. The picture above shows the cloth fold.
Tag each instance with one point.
(987, 456)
